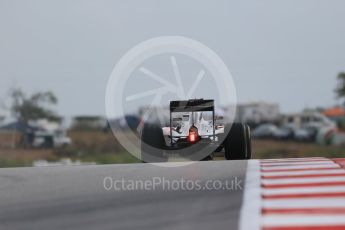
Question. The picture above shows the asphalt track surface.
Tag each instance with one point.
(74, 197)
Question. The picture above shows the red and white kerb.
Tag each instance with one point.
(294, 193)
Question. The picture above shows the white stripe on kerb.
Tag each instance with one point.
(305, 203)
(302, 220)
(295, 159)
(299, 163)
(250, 217)
(309, 172)
(303, 180)
(306, 190)
(301, 167)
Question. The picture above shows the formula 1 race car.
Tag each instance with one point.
(194, 123)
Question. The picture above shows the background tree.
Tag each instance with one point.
(33, 107)
(340, 90)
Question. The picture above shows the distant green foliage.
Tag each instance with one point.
(340, 90)
(33, 107)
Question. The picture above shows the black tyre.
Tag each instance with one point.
(152, 143)
(237, 144)
(248, 142)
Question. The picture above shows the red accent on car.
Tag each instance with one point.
(193, 134)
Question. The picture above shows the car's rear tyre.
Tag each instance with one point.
(152, 143)
(237, 144)
(248, 142)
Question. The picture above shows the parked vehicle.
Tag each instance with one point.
(48, 134)
(39, 133)
(286, 132)
(264, 131)
(306, 133)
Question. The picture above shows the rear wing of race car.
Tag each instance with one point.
(193, 105)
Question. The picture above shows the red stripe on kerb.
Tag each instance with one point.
(309, 211)
(330, 227)
(304, 195)
(303, 176)
(296, 170)
(319, 184)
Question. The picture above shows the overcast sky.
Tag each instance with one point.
(285, 51)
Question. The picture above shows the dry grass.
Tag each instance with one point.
(103, 148)
(24, 157)
(9, 139)
(283, 149)
(99, 147)
(100, 142)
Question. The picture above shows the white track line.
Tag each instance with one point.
(307, 190)
(302, 180)
(250, 218)
(300, 220)
(305, 203)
